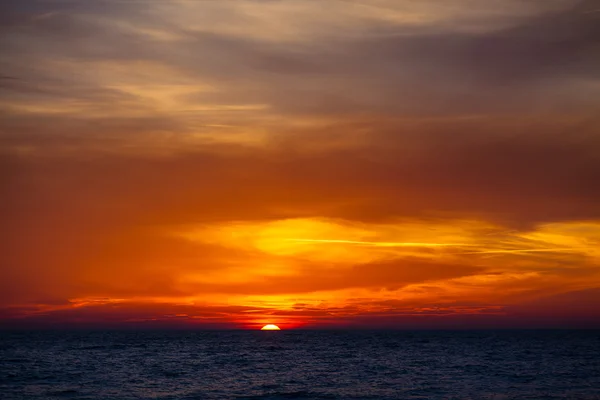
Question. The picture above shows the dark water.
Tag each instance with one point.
(300, 365)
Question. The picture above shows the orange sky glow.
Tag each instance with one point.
(332, 164)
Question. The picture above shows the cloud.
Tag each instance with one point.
(570, 314)
(422, 66)
(268, 155)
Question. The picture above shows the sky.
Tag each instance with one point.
(313, 164)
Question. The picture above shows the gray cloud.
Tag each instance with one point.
(523, 65)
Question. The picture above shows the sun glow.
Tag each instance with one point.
(270, 327)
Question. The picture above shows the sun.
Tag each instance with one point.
(270, 327)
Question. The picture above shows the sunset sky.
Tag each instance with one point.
(315, 164)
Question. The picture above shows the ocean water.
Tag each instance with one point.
(300, 365)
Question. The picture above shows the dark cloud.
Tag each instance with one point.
(562, 44)
(529, 64)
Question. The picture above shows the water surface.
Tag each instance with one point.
(300, 365)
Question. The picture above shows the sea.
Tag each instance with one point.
(299, 364)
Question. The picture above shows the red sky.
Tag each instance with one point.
(213, 164)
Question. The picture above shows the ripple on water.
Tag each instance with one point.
(301, 365)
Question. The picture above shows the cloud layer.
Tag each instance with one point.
(303, 163)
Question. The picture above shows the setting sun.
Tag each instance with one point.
(270, 327)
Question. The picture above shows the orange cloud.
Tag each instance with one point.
(398, 164)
